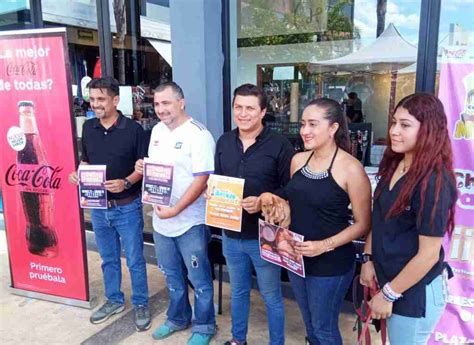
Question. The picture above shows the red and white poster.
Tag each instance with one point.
(46, 241)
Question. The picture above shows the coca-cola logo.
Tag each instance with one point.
(28, 68)
(42, 177)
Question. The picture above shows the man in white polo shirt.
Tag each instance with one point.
(180, 235)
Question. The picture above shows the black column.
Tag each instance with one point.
(227, 101)
(36, 13)
(105, 38)
(428, 46)
(133, 28)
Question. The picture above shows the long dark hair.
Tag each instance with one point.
(432, 153)
(334, 114)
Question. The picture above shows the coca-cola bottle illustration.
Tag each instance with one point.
(36, 198)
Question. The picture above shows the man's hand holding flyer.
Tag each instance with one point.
(157, 183)
(92, 192)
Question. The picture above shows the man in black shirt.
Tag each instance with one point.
(262, 158)
(354, 108)
(113, 140)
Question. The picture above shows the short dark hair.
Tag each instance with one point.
(177, 90)
(352, 95)
(109, 83)
(251, 90)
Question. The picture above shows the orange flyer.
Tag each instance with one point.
(224, 203)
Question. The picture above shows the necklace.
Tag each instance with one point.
(307, 172)
(314, 175)
(404, 168)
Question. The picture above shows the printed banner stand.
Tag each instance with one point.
(43, 221)
(456, 91)
(92, 303)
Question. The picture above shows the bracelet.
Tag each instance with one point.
(329, 244)
(389, 294)
(393, 293)
(388, 299)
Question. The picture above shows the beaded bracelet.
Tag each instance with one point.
(389, 294)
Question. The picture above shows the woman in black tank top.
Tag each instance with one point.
(325, 180)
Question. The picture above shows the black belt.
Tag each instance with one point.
(121, 202)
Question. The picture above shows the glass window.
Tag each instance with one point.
(298, 50)
(15, 15)
(140, 36)
(80, 19)
(141, 43)
(456, 30)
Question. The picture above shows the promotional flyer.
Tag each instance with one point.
(223, 207)
(92, 191)
(157, 183)
(277, 245)
(456, 91)
(46, 242)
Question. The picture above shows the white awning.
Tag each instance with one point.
(155, 29)
(163, 48)
(389, 52)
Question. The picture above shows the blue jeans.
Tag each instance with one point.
(115, 227)
(176, 256)
(411, 330)
(240, 255)
(320, 300)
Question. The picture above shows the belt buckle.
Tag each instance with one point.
(111, 203)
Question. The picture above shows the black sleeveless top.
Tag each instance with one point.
(319, 209)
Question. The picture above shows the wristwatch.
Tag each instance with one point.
(365, 257)
(127, 183)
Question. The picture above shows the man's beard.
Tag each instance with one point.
(100, 115)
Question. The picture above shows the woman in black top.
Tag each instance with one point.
(325, 180)
(413, 208)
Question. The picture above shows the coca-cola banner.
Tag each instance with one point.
(456, 91)
(46, 241)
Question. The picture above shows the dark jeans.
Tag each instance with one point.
(113, 228)
(320, 300)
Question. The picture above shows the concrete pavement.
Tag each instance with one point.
(29, 321)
